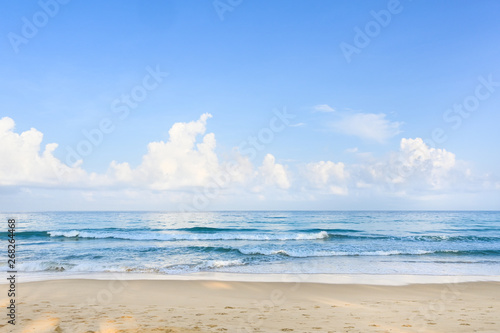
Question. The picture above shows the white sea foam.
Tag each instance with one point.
(224, 263)
(304, 253)
(190, 236)
(49, 266)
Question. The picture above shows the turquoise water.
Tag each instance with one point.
(435, 243)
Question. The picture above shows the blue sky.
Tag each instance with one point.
(240, 62)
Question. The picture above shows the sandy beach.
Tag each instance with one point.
(87, 305)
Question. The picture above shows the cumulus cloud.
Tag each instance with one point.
(273, 174)
(368, 126)
(23, 163)
(179, 162)
(415, 169)
(327, 175)
(417, 160)
(187, 162)
(187, 159)
(416, 166)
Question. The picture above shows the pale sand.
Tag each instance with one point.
(79, 305)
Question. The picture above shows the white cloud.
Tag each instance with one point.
(23, 163)
(179, 162)
(415, 170)
(327, 175)
(239, 169)
(368, 126)
(415, 166)
(324, 108)
(419, 160)
(272, 173)
(322, 172)
(187, 162)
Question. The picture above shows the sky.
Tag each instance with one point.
(249, 105)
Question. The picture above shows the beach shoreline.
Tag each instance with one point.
(214, 305)
(371, 279)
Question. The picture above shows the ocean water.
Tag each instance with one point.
(428, 243)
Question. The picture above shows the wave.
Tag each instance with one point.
(25, 234)
(190, 236)
(46, 266)
(213, 230)
(306, 253)
(224, 263)
(438, 238)
(322, 253)
(208, 233)
(209, 265)
(329, 230)
(49, 266)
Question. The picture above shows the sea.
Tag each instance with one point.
(257, 242)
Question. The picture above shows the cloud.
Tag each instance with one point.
(323, 108)
(180, 162)
(23, 163)
(417, 160)
(415, 170)
(415, 167)
(187, 162)
(367, 126)
(273, 174)
(327, 175)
